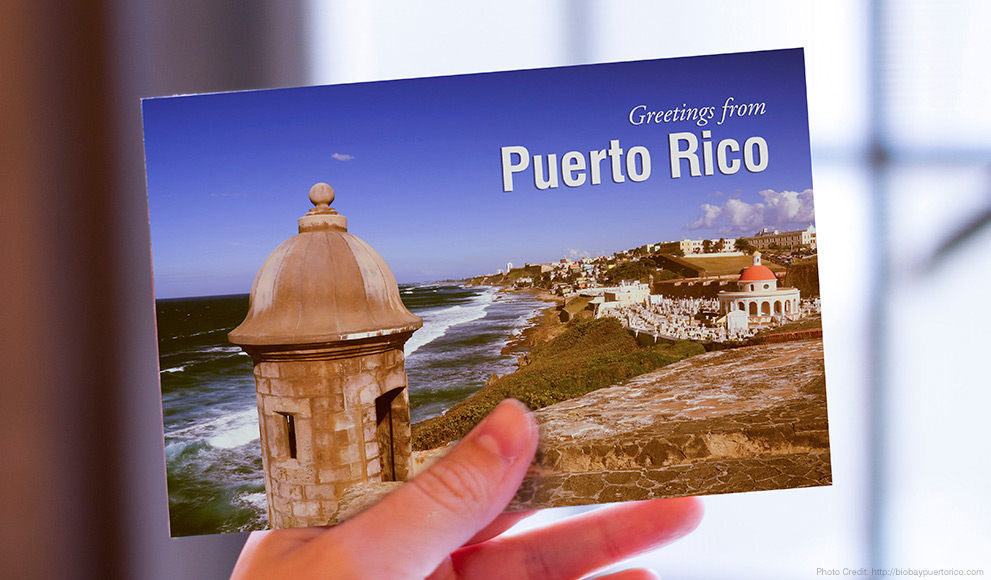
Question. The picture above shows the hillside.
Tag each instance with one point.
(588, 355)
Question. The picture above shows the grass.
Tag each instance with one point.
(588, 355)
(724, 265)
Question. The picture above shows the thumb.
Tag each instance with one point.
(414, 529)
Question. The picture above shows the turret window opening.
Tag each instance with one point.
(290, 424)
(391, 412)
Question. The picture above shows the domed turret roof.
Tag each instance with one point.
(323, 285)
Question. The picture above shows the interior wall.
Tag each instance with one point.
(83, 484)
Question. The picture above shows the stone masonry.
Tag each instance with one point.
(745, 419)
(325, 329)
(337, 426)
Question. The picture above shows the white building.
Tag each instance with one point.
(687, 246)
(759, 296)
(610, 299)
(628, 293)
(737, 322)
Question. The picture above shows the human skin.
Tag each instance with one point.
(445, 523)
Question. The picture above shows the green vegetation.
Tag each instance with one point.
(588, 355)
(511, 278)
(743, 246)
(639, 270)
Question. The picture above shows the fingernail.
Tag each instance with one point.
(508, 430)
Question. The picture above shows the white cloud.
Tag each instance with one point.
(577, 254)
(777, 210)
(342, 156)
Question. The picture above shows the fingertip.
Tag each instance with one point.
(650, 524)
(509, 430)
(674, 517)
(692, 511)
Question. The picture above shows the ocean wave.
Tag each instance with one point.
(525, 319)
(182, 335)
(436, 323)
(236, 437)
(224, 432)
(253, 499)
(227, 349)
(256, 504)
(218, 353)
(211, 354)
(211, 331)
(178, 448)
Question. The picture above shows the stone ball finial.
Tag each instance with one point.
(322, 216)
(322, 195)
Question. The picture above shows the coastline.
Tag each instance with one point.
(587, 355)
(542, 327)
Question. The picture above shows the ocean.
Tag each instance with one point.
(212, 452)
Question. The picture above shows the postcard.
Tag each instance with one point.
(349, 277)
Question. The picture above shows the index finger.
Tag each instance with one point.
(411, 531)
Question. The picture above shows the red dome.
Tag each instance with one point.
(757, 273)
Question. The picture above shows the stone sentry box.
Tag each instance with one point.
(325, 329)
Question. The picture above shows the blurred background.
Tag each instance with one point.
(901, 135)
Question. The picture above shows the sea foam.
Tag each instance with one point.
(224, 349)
(437, 322)
(223, 432)
(254, 499)
(237, 436)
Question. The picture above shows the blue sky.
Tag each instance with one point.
(417, 169)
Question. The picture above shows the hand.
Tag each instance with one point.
(444, 524)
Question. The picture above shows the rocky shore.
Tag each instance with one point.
(544, 326)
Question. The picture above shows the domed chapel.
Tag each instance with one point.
(759, 297)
